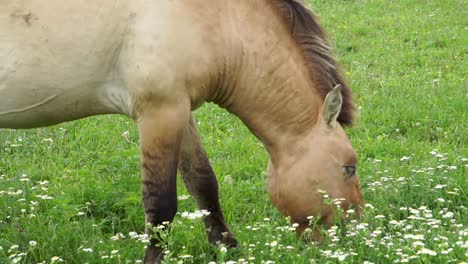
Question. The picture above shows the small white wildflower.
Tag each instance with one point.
(414, 237)
(418, 244)
(87, 250)
(447, 215)
(405, 158)
(115, 251)
(223, 249)
(228, 179)
(427, 252)
(195, 215)
(80, 214)
(321, 191)
(44, 197)
(13, 248)
(56, 259)
(43, 182)
(446, 252)
(33, 243)
(118, 236)
(440, 186)
(273, 243)
(183, 197)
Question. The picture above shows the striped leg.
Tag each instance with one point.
(161, 131)
(201, 182)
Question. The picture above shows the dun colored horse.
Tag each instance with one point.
(266, 61)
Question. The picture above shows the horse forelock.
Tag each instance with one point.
(312, 41)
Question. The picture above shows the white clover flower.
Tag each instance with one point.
(33, 243)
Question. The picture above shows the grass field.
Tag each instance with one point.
(71, 192)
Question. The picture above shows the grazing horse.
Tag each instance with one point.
(266, 61)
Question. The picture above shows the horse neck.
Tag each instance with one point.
(267, 85)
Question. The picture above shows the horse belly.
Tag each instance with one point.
(56, 68)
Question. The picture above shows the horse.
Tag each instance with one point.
(266, 61)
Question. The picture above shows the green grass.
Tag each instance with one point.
(406, 62)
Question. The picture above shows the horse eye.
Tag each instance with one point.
(349, 170)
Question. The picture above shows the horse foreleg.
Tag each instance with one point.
(200, 180)
(161, 131)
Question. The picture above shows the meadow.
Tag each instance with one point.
(71, 193)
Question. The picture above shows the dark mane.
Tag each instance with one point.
(316, 50)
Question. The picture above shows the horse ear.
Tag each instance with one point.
(332, 107)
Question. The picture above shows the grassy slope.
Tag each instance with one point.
(406, 63)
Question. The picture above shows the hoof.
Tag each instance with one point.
(224, 237)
